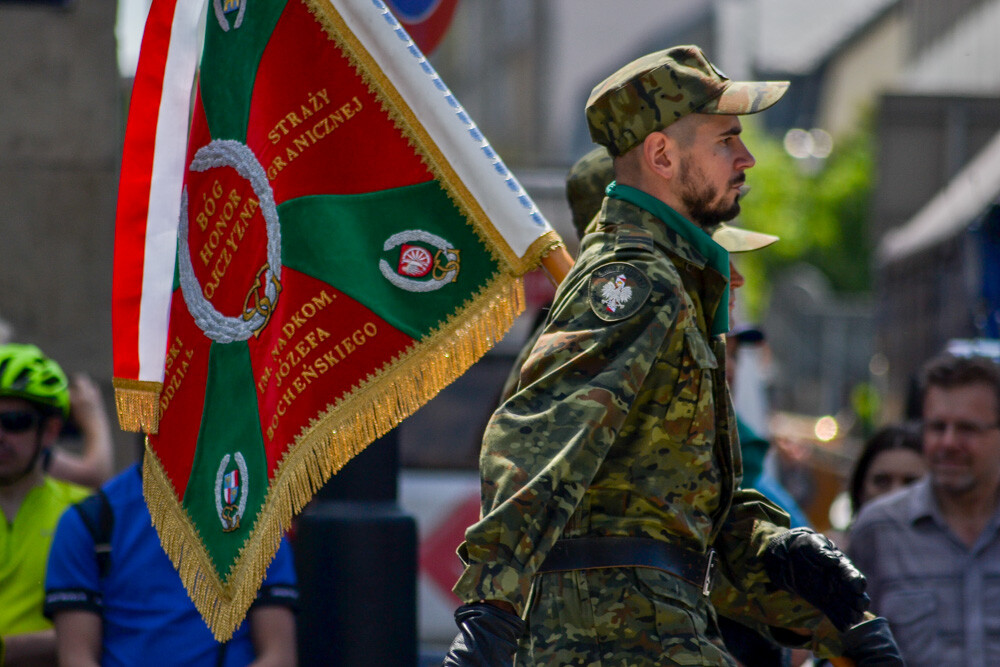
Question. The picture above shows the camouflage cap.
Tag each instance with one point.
(585, 185)
(589, 177)
(652, 92)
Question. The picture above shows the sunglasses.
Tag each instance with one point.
(18, 421)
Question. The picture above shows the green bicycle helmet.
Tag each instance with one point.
(25, 372)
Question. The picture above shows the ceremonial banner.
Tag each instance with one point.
(343, 243)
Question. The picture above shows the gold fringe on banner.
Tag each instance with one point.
(222, 604)
(333, 438)
(138, 404)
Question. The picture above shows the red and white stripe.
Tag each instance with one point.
(149, 192)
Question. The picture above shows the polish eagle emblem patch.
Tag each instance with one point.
(617, 291)
(616, 294)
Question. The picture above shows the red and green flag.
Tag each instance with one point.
(329, 243)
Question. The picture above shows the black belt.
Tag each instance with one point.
(588, 553)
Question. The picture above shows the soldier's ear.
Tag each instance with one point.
(659, 155)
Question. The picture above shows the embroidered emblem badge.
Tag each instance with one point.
(223, 8)
(414, 261)
(426, 262)
(266, 286)
(617, 291)
(231, 491)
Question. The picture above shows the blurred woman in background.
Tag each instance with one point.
(891, 459)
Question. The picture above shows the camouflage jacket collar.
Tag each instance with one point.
(675, 233)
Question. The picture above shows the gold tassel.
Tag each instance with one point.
(138, 404)
(330, 440)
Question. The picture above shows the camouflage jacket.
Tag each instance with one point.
(621, 423)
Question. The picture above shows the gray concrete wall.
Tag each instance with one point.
(60, 143)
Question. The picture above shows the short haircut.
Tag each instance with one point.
(683, 133)
(948, 371)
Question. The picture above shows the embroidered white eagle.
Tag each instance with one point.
(616, 294)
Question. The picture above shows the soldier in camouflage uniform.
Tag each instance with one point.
(585, 184)
(611, 476)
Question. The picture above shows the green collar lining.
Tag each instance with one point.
(715, 254)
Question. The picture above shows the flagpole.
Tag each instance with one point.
(557, 263)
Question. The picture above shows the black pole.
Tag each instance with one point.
(356, 556)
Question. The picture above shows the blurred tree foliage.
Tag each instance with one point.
(819, 208)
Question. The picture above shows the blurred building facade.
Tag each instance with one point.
(935, 215)
(60, 143)
(937, 231)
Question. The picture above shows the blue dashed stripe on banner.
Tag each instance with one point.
(472, 128)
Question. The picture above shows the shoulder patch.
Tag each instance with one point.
(629, 236)
(617, 291)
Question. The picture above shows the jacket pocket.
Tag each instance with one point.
(696, 394)
(699, 349)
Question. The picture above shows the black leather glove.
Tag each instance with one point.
(808, 564)
(487, 637)
(871, 644)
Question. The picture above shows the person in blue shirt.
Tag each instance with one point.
(131, 608)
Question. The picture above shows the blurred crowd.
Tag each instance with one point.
(83, 577)
(923, 497)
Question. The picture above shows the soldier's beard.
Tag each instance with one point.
(702, 200)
